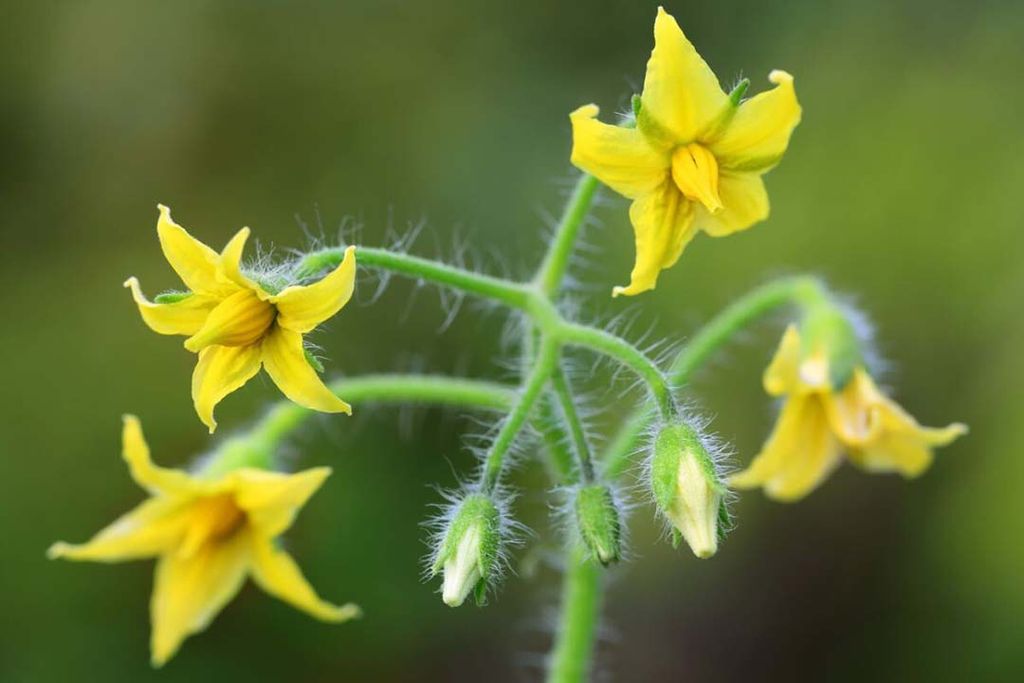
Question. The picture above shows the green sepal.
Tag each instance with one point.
(475, 508)
(737, 93)
(826, 326)
(171, 297)
(313, 361)
(599, 523)
(671, 444)
(677, 538)
(635, 104)
(480, 593)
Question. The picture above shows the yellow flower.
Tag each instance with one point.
(208, 535)
(818, 424)
(695, 159)
(236, 326)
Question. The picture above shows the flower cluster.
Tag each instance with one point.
(691, 159)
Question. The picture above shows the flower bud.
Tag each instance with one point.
(599, 522)
(469, 549)
(686, 487)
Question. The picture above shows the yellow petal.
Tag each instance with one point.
(783, 373)
(181, 317)
(221, 370)
(663, 225)
(277, 573)
(621, 158)
(907, 451)
(188, 592)
(800, 453)
(239, 320)
(881, 436)
(156, 480)
(285, 362)
(300, 309)
(152, 528)
(682, 96)
(757, 136)
(230, 265)
(194, 262)
(273, 499)
(744, 202)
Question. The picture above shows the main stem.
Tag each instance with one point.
(576, 637)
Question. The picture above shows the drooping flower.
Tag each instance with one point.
(695, 158)
(208, 535)
(820, 422)
(237, 325)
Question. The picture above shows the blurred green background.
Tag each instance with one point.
(901, 188)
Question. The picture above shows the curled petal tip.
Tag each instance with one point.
(779, 77)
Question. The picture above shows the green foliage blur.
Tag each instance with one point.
(901, 188)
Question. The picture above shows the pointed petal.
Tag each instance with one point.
(300, 309)
(230, 265)
(757, 136)
(783, 373)
(881, 436)
(273, 499)
(221, 370)
(239, 320)
(156, 480)
(188, 592)
(194, 262)
(619, 157)
(285, 361)
(152, 528)
(181, 317)
(277, 573)
(800, 453)
(682, 97)
(744, 203)
(663, 225)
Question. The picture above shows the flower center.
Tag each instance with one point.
(213, 519)
(240, 320)
(695, 172)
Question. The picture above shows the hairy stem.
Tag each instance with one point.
(573, 425)
(285, 417)
(498, 289)
(531, 390)
(627, 354)
(556, 261)
(580, 615)
(801, 290)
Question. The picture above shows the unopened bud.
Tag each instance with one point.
(599, 522)
(469, 550)
(687, 488)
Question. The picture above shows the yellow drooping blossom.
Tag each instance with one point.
(695, 159)
(818, 423)
(208, 535)
(237, 326)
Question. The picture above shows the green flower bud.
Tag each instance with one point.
(686, 487)
(599, 522)
(469, 550)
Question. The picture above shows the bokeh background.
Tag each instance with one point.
(902, 187)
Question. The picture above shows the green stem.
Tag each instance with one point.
(547, 356)
(801, 290)
(256, 448)
(556, 261)
(509, 293)
(577, 628)
(563, 392)
(561, 461)
(627, 354)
